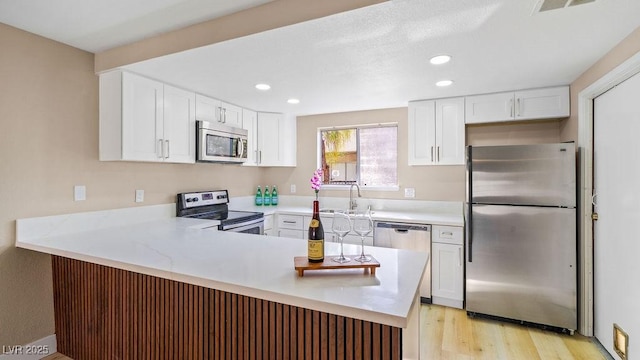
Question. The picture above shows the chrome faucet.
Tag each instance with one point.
(352, 202)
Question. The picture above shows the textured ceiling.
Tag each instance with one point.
(378, 56)
(370, 58)
(99, 25)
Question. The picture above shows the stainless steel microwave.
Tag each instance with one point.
(220, 143)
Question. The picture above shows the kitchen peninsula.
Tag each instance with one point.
(140, 283)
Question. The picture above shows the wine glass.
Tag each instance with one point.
(363, 226)
(341, 226)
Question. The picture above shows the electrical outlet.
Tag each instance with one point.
(139, 196)
(409, 192)
(79, 193)
(293, 188)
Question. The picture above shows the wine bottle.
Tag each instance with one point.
(274, 196)
(259, 196)
(267, 196)
(315, 242)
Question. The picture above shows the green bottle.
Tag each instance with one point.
(259, 197)
(274, 196)
(267, 196)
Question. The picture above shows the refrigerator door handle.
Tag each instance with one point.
(469, 224)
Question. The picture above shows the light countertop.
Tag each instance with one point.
(252, 265)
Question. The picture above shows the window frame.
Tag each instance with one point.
(395, 187)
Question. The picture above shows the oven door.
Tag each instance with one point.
(249, 227)
(218, 143)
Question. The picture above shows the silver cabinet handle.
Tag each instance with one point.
(219, 114)
(168, 149)
(511, 108)
(459, 256)
(518, 109)
(260, 157)
(289, 222)
(432, 154)
(438, 151)
(224, 115)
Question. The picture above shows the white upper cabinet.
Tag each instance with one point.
(436, 132)
(276, 139)
(179, 125)
(214, 110)
(145, 120)
(207, 109)
(533, 104)
(231, 115)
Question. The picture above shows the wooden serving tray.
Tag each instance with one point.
(302, 263)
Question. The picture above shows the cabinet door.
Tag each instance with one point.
(542, 103)
(207, 109)
(179, 125)
(422, 138)
(450, 131)
(447, 274)
(232, 115)
(250, 123)
(269, 139)
(489, 108)
(142, 118)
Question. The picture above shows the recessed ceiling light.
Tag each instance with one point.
(444, 83)
(293, 101)
(440, 59)
(263, 87)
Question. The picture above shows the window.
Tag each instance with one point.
(365, 155)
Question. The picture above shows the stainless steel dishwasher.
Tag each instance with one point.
(415, 237)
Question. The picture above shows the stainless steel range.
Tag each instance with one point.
(213, 205)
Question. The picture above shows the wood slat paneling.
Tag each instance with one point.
(108, 313)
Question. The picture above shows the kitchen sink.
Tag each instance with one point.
(331, 211)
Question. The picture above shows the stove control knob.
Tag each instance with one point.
(192, 199)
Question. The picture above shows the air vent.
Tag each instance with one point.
(546, 5)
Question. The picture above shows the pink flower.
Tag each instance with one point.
(316, 180)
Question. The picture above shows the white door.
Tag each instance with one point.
(179, 125)
(616, 178)
(446, 278)
(269, 139)
(489, 108)
(450, 131)
(232, 115)
(142, 113)
(207, 109)
(422, 127)
(542, 103)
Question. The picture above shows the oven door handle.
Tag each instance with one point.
(241, 224)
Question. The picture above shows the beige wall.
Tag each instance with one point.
(435, 183)
(616, 56)
(48, 144)
(430, 182)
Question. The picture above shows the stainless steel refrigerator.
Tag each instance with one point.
(521, 233)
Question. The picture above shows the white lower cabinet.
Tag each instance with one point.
(291, 226)
(447, 266)
(268, 226)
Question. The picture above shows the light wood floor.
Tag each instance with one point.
(448, 333)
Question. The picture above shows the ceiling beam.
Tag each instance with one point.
(271, 15)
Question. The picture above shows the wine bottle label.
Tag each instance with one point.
(316, 249)
(314, 223)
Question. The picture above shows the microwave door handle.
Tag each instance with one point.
(240, 148)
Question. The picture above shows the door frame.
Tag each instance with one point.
(622, 72)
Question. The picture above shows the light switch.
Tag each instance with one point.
(293, 188)
(139, 196)
(79, 193)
